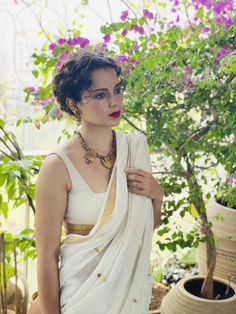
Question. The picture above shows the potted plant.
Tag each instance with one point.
(222, 210)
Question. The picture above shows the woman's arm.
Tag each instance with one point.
(51, 200)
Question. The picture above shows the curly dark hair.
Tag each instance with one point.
(73, 77)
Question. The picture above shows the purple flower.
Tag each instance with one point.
(141, 30)
(52, 46)
(124, 15)
(71, 42)
(61, 58)
(173, 65)
(135, 27)
(124, 33)
(122, 59)
(31, 89)
(222, 52)
(176, 2)
(228, 22)
(135, 46)
(187, 69)
(83, 42)
(148, 14)
(107, 38)
(206, 29)
(187, 79)
(205, 2)
(177, 19)
(150, 44)
(207, 230)
(61, 41)
(219, 6)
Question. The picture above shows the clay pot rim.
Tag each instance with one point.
(182, 282)
(213, 201)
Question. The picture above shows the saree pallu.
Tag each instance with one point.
(107, 271)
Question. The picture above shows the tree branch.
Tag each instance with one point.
(134, 126)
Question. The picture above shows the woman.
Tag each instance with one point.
(99, 183)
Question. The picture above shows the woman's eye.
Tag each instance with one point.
(101, 95)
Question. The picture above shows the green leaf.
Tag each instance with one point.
(2, 179)
(2, 124)
(35, 73)
(4, 209)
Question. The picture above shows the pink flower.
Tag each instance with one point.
(61, 41)
(187, 69)
(61, 58)
(205, 2)
(207, 230)
(71, 42)
(135, 46)
(227, 22)
(122, 59)
(124, 15)
(150, 44)
(107, 38)
(148, 14)
(52, 46)
(31, 89)
(135, 27)
(206, 29)
(83, 42)
(222, 52)
(124, 33)
(187, 79)
(141, 30)
(219, 6)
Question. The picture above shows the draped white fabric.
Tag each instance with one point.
(107, 271)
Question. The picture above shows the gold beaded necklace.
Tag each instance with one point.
(107, 161)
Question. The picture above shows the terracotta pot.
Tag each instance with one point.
(225, 247)
(22, 295)
(181, 298)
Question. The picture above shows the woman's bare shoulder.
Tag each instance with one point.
(53, 171)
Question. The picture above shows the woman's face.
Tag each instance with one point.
(102, 103)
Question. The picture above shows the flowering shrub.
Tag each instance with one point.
(180, 79)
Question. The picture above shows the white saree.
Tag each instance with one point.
(107, 271)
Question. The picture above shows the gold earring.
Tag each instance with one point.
(74, 108)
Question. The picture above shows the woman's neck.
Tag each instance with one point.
(98, 139)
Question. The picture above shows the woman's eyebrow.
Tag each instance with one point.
(105, 89)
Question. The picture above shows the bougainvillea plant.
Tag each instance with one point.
(179, 64)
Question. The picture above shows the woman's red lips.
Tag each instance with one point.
(115, 114)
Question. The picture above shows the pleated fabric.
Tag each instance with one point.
(108, 270)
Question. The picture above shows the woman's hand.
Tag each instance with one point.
(143, 183)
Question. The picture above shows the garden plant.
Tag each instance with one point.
(179, 69)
